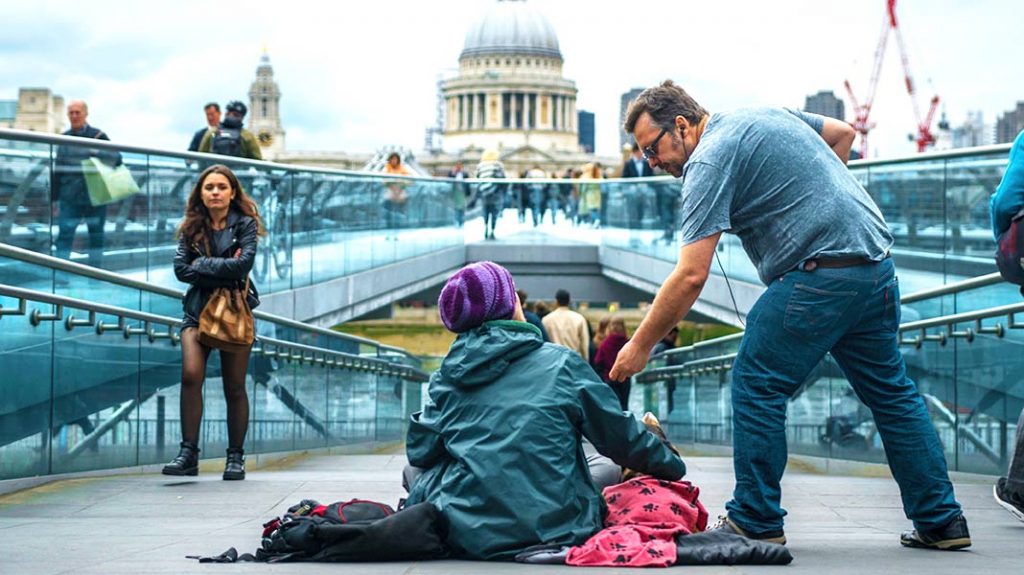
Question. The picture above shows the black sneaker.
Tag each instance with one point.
(949, 538)
(1009, 501)
(726, 525)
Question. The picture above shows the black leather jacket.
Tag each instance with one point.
(206, 272)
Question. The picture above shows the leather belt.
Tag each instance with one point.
(812, 264)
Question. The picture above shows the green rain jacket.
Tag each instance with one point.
(502, 441)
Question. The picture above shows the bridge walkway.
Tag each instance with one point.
(147, 523)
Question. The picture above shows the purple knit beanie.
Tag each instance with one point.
(477, 293)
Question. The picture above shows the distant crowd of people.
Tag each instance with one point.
(577, 197)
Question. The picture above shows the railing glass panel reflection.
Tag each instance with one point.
(967, 366)
(86, 385)
(321, 224)
(936, 205)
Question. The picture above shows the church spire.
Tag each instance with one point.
(264, 100)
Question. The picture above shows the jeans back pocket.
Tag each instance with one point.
(813, 312)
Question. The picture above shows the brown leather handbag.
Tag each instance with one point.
(226, 322)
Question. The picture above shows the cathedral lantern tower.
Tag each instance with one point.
(264, 118)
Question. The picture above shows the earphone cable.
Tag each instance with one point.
(732, 296)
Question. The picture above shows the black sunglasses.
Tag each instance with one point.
(651, 150)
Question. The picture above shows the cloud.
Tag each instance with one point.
(355, 76)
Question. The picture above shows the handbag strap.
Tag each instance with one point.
(244, 299)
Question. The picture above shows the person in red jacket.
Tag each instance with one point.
(605, 358)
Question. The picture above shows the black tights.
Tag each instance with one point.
(193, 372)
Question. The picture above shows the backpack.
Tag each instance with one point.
(227, 142)
(351, 511)
(355, 530)
(1010, 252)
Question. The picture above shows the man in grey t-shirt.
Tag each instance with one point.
(778, 180)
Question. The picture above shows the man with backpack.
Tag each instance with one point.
(231, 138)
(1007, 203)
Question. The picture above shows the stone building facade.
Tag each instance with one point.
(36, 110)
(509, 95)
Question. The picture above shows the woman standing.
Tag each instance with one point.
(613, 341)
(590, 193)
(395, 196)
(216, 248)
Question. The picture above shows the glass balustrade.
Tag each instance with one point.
(83, 390)
(967, 372)
(326, 224)
(935, 205)
(321, 224)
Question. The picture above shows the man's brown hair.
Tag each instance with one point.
(664, 103)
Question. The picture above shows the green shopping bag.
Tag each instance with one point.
(107, 185)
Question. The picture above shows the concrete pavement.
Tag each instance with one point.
(148, 523)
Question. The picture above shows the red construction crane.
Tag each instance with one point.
(862, 111)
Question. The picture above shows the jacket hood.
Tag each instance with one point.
(481, 355)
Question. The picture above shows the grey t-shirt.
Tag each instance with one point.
(767, 176)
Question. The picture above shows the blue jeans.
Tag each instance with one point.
(853, 313)
(68, 219)
(491, 211)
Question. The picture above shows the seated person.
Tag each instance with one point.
(501, 437)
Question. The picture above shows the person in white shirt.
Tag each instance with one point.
(566, 327)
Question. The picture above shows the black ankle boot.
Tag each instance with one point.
(186, 462)
(234, 466)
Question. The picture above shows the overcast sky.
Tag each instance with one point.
(356, 75)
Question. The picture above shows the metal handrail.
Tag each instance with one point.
(61, 140)
(948, 321)
(723, 339)
(347, 360)
(29, 136)
(352, 361)
(65, 301)
(28, 256)
(964, 317)
(953, 288)
(936, 155)
(944, 290)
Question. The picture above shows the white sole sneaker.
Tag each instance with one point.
(1007, 505)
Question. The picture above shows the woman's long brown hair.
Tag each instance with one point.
(196, 225)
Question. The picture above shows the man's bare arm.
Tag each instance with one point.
(673, 302)
(839, 136)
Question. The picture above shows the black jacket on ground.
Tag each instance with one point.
(205, 272)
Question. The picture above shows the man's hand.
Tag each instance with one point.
(673, 302)
(631, 360)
